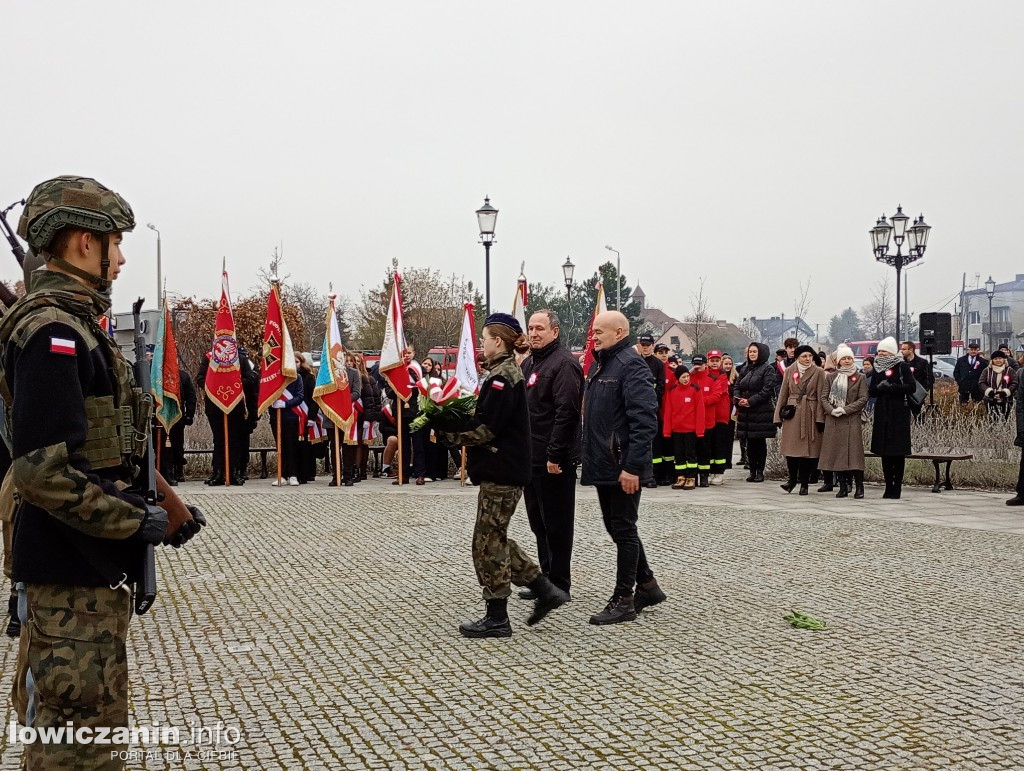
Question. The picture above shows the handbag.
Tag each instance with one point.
(920, 394)
(789, 410)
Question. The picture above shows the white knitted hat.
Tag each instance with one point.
(841, 351)
(889, 344)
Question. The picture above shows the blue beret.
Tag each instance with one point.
(506, 320)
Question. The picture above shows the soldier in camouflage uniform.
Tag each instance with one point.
(78, 427)
(498, 458)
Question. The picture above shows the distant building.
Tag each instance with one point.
(1005, 326)
(773, 331)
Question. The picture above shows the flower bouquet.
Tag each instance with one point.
(442, 404)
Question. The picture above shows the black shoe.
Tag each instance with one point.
(759, 476)
(549, 597)
(844, 491)
(826, 488)
(215, 482)
(803, 489)
(648, 595)
(752, 477)
(650, 484)
(333, 482)
(527, 594)
(859, 491)
(704, 479)
(665, 483)
(171, 481)
(618, 610)
(486, 627)
(788, 486)
(1016, 501)
(348, 482)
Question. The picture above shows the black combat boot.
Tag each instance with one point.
(217, 480)
(494, 624)
(647, 595)
(704, 481)
(618, 610)
(549, 597)
(14, 625)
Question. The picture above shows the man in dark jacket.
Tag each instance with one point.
(620, 418)
(554, 393)
(967, 373)
(176, 435)
(922, 373)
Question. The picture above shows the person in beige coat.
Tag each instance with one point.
(844, 395)
(801, 432)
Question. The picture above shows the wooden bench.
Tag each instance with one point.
(263, 451)
(936, 460)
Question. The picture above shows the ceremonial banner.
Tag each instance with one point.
(465, 364)
(392, 364)
(224, 379)
(278, 357)
(519, 304)
(332, 390)
(165, 377)
(600, 307)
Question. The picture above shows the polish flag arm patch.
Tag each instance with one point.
(498, 385)
(62, 345)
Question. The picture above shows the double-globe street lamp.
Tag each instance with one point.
(618, 277)
(567, 270)
(486, 218)
(990, 290)
(917, 238)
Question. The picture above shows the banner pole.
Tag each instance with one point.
(462, 474)
(227, 454)
(337, 458)
(278, 448)
(159, 445)
(401, 460)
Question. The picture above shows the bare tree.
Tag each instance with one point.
(802, 304)
(878, 317)
(700, 319)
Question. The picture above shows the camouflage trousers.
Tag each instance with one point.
(72, 667)
(499, 561)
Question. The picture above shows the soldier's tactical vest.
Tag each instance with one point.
(119, 424)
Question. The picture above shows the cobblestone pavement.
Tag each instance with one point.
(323, 624)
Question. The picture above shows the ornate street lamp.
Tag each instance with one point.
(897, 230)
(567, 270)
(486, 218)
(990, 290)
(618, 277)
(159, 279)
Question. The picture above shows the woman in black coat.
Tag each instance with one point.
(754, 396)
(892, 382)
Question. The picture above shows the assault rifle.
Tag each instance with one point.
(6, 295)
(145, 591)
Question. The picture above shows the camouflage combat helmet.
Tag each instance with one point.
(78, 202)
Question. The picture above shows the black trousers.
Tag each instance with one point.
(801, 468)
(1020, 477)
(757, 453)
(721, 448)
(237, 439)
(620, 512)
(704, 446)
(551, 508)
(730, 432)
(414, 453)
(893, 467)
(685, 451)
(289, 446)
(661, 454)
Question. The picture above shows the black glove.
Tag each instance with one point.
(821, 428)
(188, 421)
(189, 528)
(885, 385)
(153, 527)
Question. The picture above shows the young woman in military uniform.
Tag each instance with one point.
(79, 531)
(498, 459)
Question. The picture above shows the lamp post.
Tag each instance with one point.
(567, 270)
(990, 290)
(917, 238)
(159, 278)
(618, 277)
(486, 217)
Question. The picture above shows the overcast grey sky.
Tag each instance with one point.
(752, 143)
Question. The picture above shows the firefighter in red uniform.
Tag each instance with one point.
(684, 424)
(711, 394)
(721, 449)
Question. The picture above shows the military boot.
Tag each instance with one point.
(14, 625)
(618, 610)
(647, 595)
(494, 624)
(549, 597)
